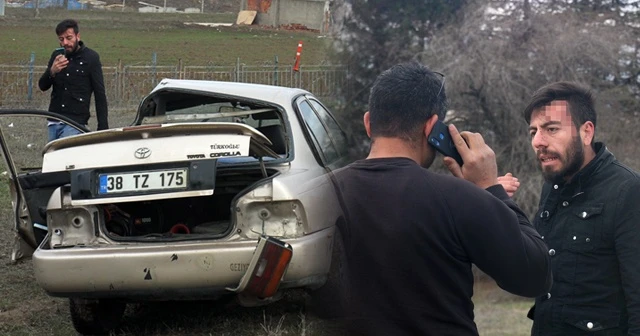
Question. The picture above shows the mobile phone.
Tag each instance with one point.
(59, 51)
(441, 140)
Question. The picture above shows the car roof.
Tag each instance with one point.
(248, 90)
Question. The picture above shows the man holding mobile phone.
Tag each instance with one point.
(75, 72)
(410, 235)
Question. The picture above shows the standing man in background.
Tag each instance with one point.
(589, 216)
(74, 73)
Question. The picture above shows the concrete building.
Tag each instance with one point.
(313, 14)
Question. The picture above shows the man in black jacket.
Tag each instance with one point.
(589, 216)
(411, 235)
(74, 73)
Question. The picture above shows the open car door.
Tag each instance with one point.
(30, 189)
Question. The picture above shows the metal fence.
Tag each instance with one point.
(126, 85)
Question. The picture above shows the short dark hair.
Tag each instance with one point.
(66, 24)
(579, 99)
(403, 98)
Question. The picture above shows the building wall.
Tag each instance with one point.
(310, 13)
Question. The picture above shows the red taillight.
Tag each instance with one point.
(272, 262)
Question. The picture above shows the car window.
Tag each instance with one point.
(180, 107)
(335, 132)
(321, 138)
(222, 112)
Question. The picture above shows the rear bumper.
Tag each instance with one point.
(171, 270)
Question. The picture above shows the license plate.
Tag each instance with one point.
(143, 181)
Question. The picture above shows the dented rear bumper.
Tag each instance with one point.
(171, 271)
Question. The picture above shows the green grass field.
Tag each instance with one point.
(132, 38)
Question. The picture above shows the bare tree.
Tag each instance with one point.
(492, 67)
(377, 34)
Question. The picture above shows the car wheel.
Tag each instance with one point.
(95, 317)
(330, 300)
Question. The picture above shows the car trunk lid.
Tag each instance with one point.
(148, 144)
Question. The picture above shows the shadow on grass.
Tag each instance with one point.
(224, 317)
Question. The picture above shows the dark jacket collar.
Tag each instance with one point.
(602, 158)
(80, 49)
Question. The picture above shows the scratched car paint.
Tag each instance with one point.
(172, 207)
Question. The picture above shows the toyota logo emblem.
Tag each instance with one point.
(142, 153)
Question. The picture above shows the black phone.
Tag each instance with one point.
(441, 140)
(60, 51)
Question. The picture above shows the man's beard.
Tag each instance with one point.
(75, 48)
(571, 163)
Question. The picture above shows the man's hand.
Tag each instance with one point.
(480, 167)
(59, 63)
(510, 183)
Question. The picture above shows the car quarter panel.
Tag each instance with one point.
(308, 181)
(313, 188)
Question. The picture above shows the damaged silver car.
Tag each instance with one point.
(215, 188)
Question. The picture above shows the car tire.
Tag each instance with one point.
(95, 317)
(330, 300)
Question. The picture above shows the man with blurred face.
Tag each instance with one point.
(589, 216)
(561, 151)
(411, 235)
(74, 73)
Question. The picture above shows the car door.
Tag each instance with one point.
(22, 133)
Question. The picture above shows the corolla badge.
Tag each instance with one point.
(142, 153)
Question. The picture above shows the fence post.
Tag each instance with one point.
(297, 78)
(154, 60)
(32, 61)
(291, 76)
(116, 85)
(275, 72)
(300, 81)
(180, 69)
(122, 78)
(237, 79)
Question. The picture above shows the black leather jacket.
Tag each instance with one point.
(72, 87)
(592, 228)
